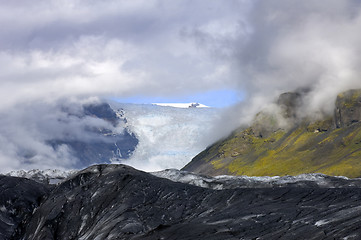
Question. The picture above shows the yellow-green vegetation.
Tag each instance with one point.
(349, 99)
(331, 146)
(320, 126)
(308, 148)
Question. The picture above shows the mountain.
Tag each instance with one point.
(76, 133)
(48, 176)
(18, 199)
(99, 144)
(182, 105)
(119, 202)
(279, 142)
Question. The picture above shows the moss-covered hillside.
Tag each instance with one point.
(331, 146)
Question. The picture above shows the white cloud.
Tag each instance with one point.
(51, 50)
(57, 49)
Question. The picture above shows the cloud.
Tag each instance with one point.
(303, 44)
(55, 53)
(279, 46)
(120, 48)
(55, 49)
(26, 130)
(72, 49)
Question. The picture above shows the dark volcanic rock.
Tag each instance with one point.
(118, 202)
(348, 108)
(18, 198)
(289, 102)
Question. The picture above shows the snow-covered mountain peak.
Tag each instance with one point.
(182, 105)
(49, 176)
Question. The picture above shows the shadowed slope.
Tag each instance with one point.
(118, 202)
(18, 198)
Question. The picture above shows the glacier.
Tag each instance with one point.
(169, 137)
(310, 180)
(74, 135)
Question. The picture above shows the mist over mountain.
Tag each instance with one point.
(64, 135)
(258, 49)
(295, 66)
(282, 140)
(76, 134)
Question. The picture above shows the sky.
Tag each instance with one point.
(145, 49)
(120, 49)
(238, 55)
(221, 98)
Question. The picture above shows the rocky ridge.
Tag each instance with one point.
(119, 202)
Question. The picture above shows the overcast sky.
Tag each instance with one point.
(55, 51)
(61, 48)
(170, 49)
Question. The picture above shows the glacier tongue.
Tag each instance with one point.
(168, 137)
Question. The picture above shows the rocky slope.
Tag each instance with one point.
(18, 198)
(119, 202)
(279, 143)
(311, 180)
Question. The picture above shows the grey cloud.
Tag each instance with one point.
(54, 49)
(302, 43)
(51, 50)
(287, 45)
(27, 130)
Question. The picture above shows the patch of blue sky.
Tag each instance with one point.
(215, 98)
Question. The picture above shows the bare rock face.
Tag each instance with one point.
(281, 115)
(289, 102)
(348, 108)
(18, 198)
(103, 111)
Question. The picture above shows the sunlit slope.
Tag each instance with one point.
(331, 146)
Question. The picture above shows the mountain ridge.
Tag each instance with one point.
(112, 201)
(270, 147)
(182, 105)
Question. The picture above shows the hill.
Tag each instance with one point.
(105, 137)
(280, 143)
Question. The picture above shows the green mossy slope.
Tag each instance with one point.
(317, 147)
